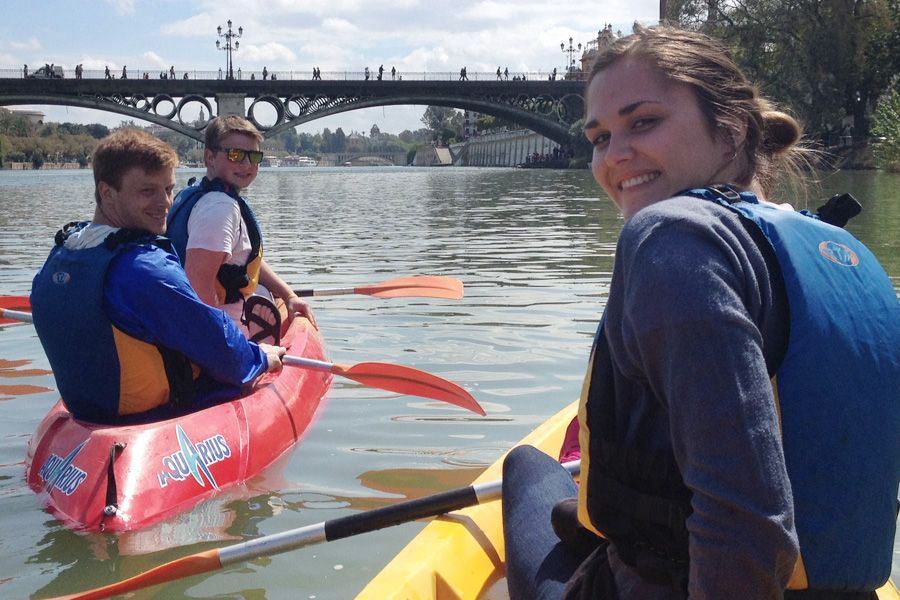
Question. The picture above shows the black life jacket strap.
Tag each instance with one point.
(642, 507)
(180, 375)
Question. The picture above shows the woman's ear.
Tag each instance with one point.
(735, 136)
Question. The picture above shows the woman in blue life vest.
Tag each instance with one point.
(126, 336)
(216, 233)
(739, 420)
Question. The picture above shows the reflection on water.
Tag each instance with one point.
(534, 249)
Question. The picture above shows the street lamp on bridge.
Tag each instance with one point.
(228, 47)
(571, 50)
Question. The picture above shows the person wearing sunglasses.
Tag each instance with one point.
(216, 235)
(111, 304)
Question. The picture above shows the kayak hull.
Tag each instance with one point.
(461, 556)
(164, 468)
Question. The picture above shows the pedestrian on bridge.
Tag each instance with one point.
(265, 73)
(124, 72)
(380, 72)
(498, 74)
(366, 73)
(393, 73)
(462, 75)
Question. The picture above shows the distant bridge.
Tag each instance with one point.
(342, 158)
(546, 107)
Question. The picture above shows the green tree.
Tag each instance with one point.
(824, 59)
(439, 120)
(37, 159)
(886, 129)
(13, 124)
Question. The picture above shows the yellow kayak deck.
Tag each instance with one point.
(460, 556)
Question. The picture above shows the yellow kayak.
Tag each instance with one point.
(460, 556)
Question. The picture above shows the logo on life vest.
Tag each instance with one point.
(194, 459)
(59, 473)
(60, 278)
(838, 254)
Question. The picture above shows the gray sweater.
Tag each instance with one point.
(692, 318)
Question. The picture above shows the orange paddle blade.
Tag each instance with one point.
(202, 562)
(406, 380)
(431, 286)
(13, 303)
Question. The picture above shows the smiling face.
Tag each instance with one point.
(650, 138)
(239, 175)
(142, 200)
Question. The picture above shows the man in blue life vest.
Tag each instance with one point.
(127, 337)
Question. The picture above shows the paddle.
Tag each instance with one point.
(326, 531)
(8, 316)
(429, 286)
(385, 376)
(395, 378)
(426, 286)
(15, 304)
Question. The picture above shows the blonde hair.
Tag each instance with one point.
(221, 127)
(127, 148)
(772, 146)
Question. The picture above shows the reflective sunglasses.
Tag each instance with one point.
(236, 155)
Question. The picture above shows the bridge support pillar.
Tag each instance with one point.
(231, 104)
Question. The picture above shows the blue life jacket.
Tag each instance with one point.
(234, 282)
(86, 351)
(838, 395)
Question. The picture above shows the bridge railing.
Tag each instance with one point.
(291, 75)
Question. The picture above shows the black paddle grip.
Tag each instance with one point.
(402, 512)
(304, 293)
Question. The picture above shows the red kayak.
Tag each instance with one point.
(124, 478)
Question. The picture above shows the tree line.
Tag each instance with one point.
(834, 63)
(24, 141)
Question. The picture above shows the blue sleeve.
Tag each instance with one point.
(148, 296)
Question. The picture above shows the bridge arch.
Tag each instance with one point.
(144, 113)
(558, 131)
(549, 108)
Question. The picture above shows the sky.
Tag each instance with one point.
(297, 35)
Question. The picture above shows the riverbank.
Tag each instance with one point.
(27, 166)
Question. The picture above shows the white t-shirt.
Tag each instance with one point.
(216, 225)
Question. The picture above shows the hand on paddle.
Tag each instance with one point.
(273, 357)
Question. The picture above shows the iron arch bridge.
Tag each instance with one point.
(549, 108)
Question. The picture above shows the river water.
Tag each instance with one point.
(534, 249)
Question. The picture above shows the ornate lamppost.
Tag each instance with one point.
(571, 50)
(229, 35)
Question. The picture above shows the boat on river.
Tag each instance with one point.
(460, 556)
(121, 478)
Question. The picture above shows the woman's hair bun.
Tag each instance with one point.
(780, 131)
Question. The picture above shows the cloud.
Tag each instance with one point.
(29, 45)
(339, 26)
(272, 52)
(154, 60)
(122, 7)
